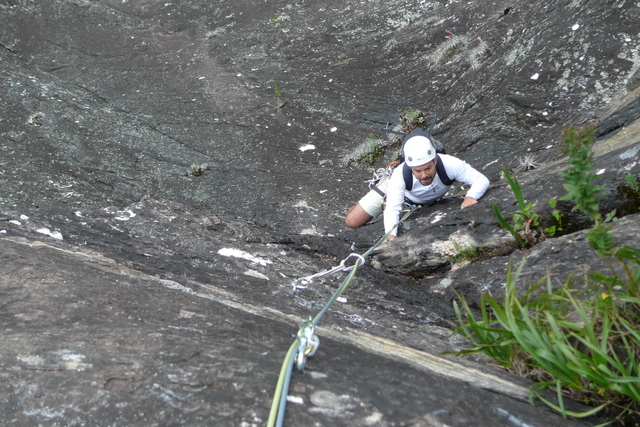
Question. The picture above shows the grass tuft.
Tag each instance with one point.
(582, 340)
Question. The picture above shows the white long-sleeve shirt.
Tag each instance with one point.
(457, 169)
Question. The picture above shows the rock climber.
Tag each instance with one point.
(424, 177)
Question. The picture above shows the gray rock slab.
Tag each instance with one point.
(107, 102)
(89, 342)
(183, 162)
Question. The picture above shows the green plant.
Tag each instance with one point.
(523, 219)
(600, 237)
(582, 342)
(412, 119)
(551, 231)
(632, 182)
(579, 177)
(276, 90)
(371, 151)
(581, 189)
(373, 141)
(469, 253)
(412, 115)
(198, 169)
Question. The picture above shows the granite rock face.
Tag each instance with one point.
(168, 169)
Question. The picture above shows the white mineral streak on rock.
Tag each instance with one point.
(55, 234)
(295, 399)
(438, 217)
(31, 359)
(307, 147)
(310, 232)
(124, 215)
(237, 253)
(73, 361)
(331, 404)
(255, 274)
(304, 204)
(186, 314)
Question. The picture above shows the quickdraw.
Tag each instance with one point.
(304, 282)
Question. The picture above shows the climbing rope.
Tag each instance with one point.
(306, 342)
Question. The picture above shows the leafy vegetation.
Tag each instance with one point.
(469, 253)
(412, 118)
(579, 177)
(371, 151)
(600, 237)
(582, 341)
(276, 90)
(412, 115)
(581, 188)
(198, 169)
(524, 219)
(632, 182)
(579, 181)
(552, 230)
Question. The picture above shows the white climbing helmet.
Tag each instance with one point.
(418, 150)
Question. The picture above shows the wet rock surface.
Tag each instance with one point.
(169, 168)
